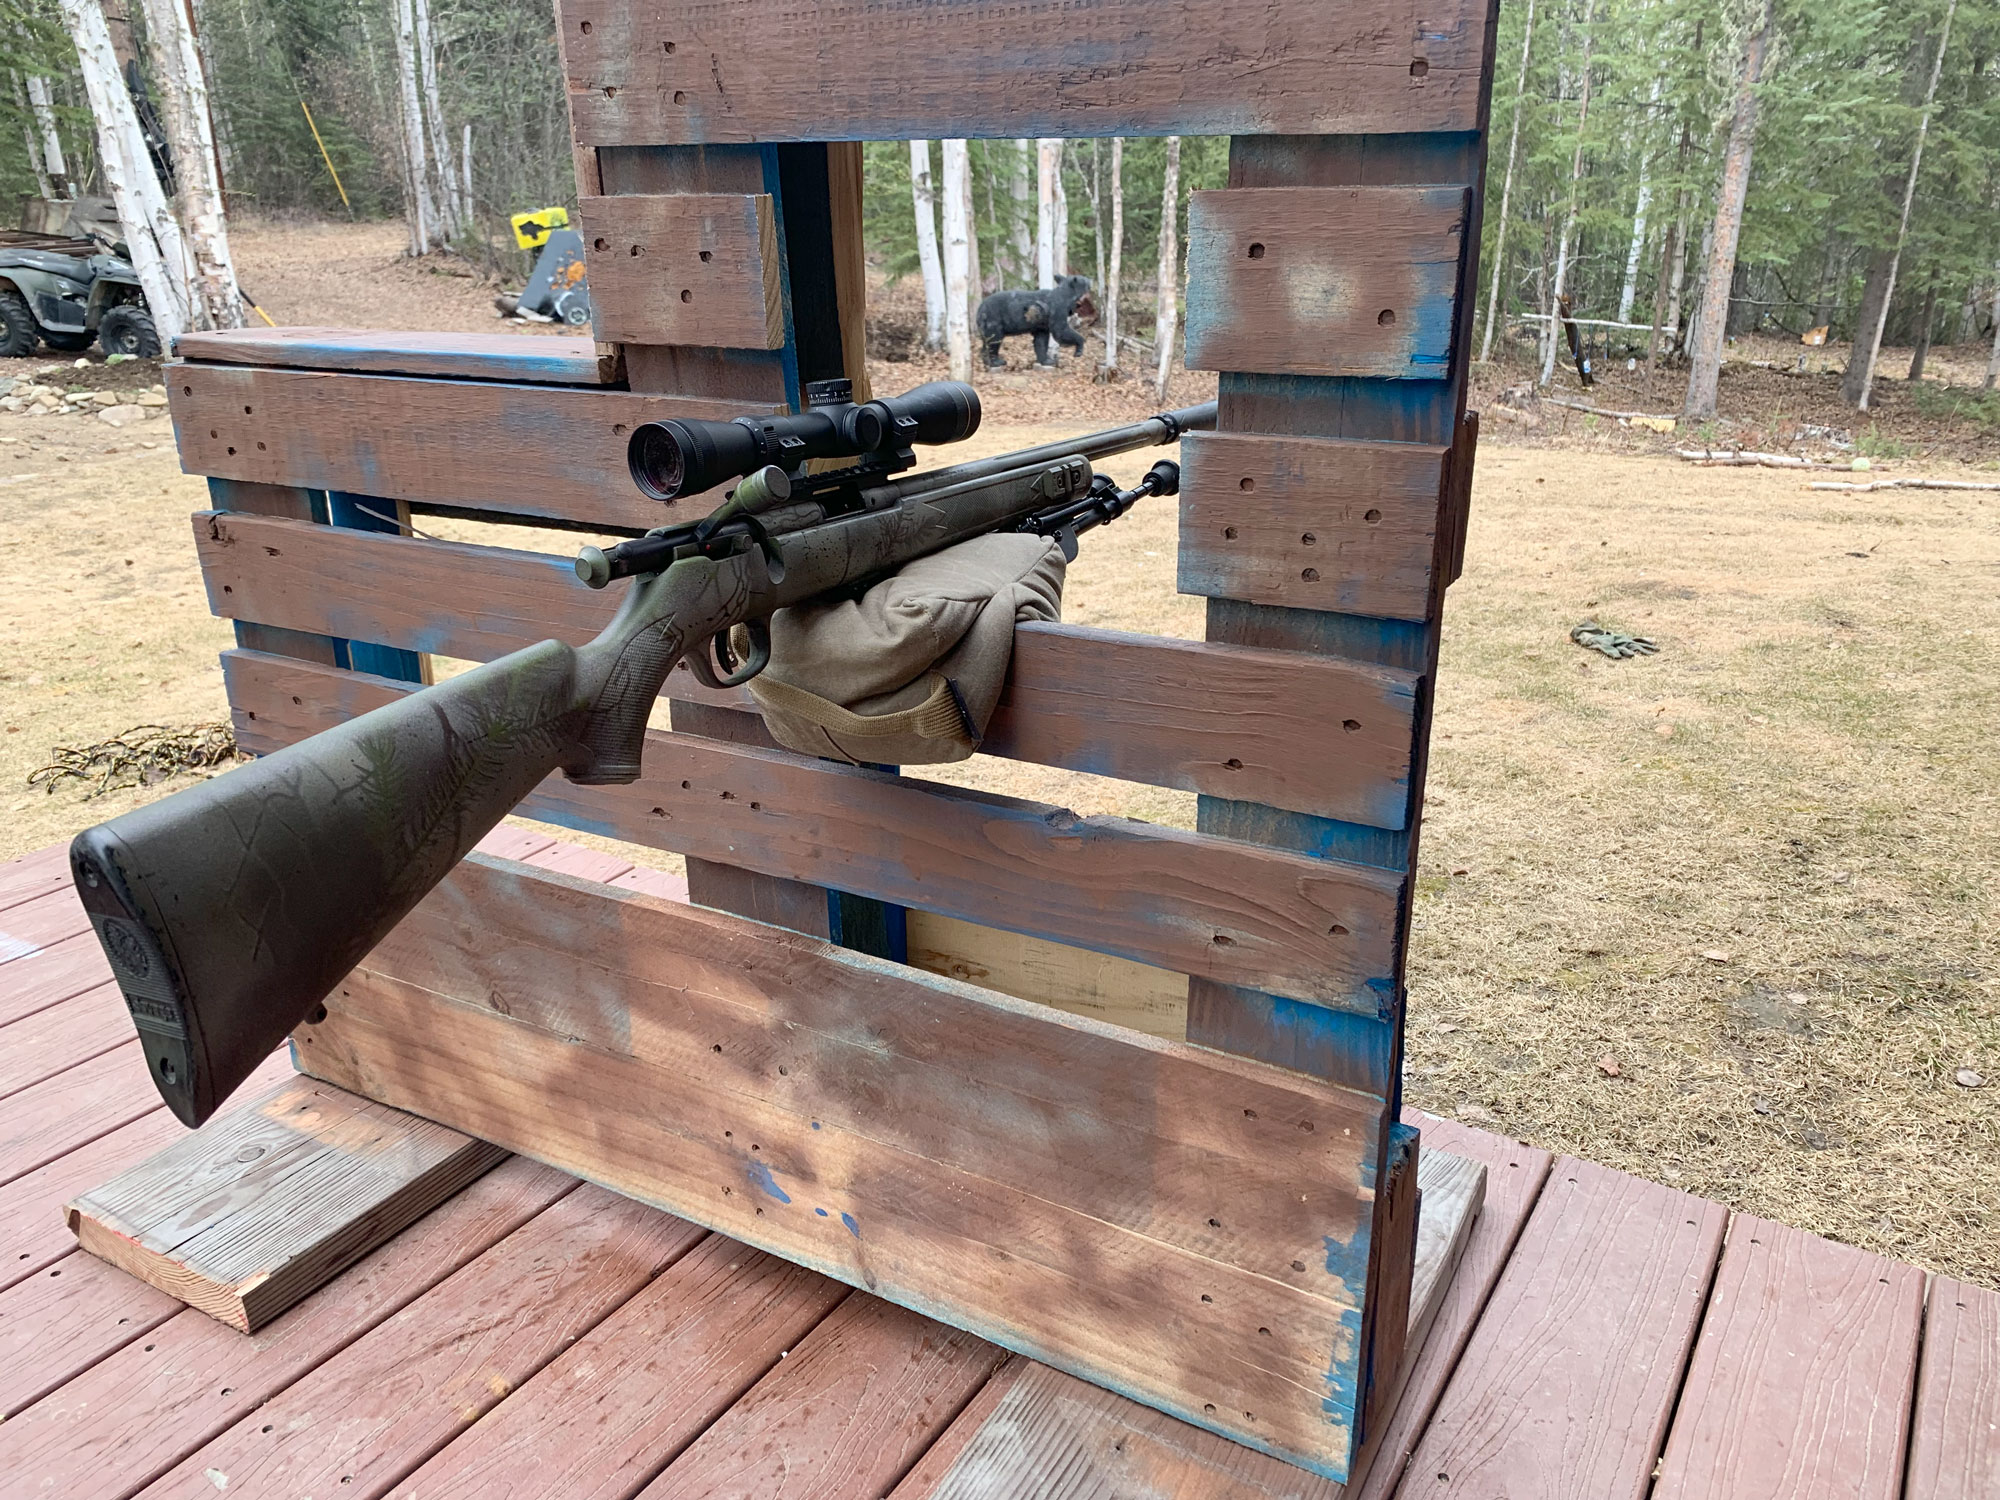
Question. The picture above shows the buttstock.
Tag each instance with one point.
(229, 911)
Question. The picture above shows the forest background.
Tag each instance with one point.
(1644, 155)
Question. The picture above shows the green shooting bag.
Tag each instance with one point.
(909, 673)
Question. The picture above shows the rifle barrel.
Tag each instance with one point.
(1165, 428)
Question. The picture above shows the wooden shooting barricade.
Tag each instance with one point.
(1218, 1219)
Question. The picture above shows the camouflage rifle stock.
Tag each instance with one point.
(230, 910)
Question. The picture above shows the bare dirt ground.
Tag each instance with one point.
(1724, 917)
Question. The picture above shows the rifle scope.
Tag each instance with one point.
(670, 459)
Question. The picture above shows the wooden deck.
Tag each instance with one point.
(539, 1337)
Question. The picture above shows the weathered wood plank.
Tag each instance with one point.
(1034, 1431)
(1354, 281)
(531, 450)
(33, 1233)
(361, 1421)
(39, 924)
(1326, 736)
(686, 268)
(1800, 1385)
(58, 972)
(131, 1417)
(632, 1393)
(73, 1031)
(1570, 1377)
(1955, 1440)
(641, 76)
(845, 1414)
(1117, 991)
(1229, 911)
(262, 1206)
(583, 863)
(1120, 1206)
(39, 874)
(1310, 523)
(63, 1320)
(1513, 1182)
(541, 359)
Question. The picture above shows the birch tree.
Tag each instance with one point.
(1167, 310)
(1062, 212)
(177, 64)
(1993, 359)
(158, 257)
(925, 202)
(975, 271)
(1048, 165)
(440, 145)
(1868, 340)
(1114, 272)
(43, 108)
(957, 263)
(1705, 341)
(422, 216)
(1507, 185)
(43, 185)
(1018, 231)
(1560, 284)
(1629, 290)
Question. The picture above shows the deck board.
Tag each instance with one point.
(38, 924)
(33, 875)
(71, 1031)
(1800, 1382)
(625, 1400)
(848, 1413)
(362, 1420)
(524, 1339)
(1568, 1381)
(1955, 1438)
(132, 1417)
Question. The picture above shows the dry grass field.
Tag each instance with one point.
(1724, 917)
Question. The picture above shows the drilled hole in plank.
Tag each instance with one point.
(1310, 575)
(600, 243)
(637, 250)
(1336, 930)
(706, 256)
(1309, 539)
(1229, 533)
(1298, 1265)
(1371, 516)
(1419, 68)
(1233, 764)
(585, 28)
(610, 92)
(1256, 252)
(686, 295)
(1352, 726)
(1246, 483)
(1386, 317)
(670, 46)
(680, 97)
(1249, 1114)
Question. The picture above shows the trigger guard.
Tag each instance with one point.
(715, 652)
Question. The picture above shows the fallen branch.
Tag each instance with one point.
(1599, 411)
(1743, 458)
(1902, 484)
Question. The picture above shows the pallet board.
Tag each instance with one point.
(261, 1206)
(813, 1103)
(725, 73)
(1235, 914)
(1329, 737)
(686, 268)
(546, 359)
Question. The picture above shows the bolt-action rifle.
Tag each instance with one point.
(229, 911)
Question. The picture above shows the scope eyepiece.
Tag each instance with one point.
(674, 458)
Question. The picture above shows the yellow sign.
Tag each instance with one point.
(532, 229)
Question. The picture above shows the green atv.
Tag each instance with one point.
(67, 293)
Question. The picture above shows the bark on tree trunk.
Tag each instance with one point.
(975, 267)
(1115, 271)
(43, 185)
(197, 185)
(158, 257)
(1167, 309)
(466, 216)
(957, 263)
(1867, 355)
(1062, 212)
(422, 216)
(1021, 231)
(1047, 158)
(1629, 291)
(925, 202)
(1507, 187)
(1094, 190)
(1673, 252)
(1993, 359)
(44, 111)
(440, 145)
(1922, 351)
(1705, 355)
(1550, 339)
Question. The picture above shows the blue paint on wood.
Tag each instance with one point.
(821, 1212)
(760, 1176)
(1343, 1383)
(853, 1227)
(351, 512)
